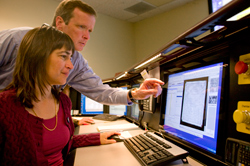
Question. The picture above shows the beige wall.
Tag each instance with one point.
(15, 13)
(111, 48)
(114, 45)
(153, 33)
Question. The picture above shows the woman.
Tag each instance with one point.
(35, 123)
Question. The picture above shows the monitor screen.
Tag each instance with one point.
(217, 4)
(118, 109)
(89, 106)
(193, 105)
(135, 111)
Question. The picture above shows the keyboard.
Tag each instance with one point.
(107, 117)
(152, 150)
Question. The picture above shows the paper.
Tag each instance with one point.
(145, 74)
(119, 127)
(125, 134)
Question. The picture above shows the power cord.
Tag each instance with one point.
(141, 117)
(145, 125)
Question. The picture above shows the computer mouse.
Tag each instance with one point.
(116, 137)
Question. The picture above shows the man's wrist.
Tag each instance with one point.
(130, 92)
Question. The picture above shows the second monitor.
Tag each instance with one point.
(90, 107)
(116, 109)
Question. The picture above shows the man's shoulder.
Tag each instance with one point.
(77, 58)
(77, 54)
(15, 32)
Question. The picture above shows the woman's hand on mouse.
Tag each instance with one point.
(104, 137)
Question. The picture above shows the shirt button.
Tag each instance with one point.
(68, 119)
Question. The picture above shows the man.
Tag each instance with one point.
(76, 19)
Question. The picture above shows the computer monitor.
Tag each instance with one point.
(90, 107)
(117, 109)
(135, 111)
(192, 107)
(215, 5)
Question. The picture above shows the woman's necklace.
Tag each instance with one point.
(43, 124)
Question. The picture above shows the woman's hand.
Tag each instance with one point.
(86, 121)
(104, 137)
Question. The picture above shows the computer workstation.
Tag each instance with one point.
(113, 154)
(165, 151)
(202, 91)
(171, 118)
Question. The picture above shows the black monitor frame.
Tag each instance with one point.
(132, 119)
(221, 139)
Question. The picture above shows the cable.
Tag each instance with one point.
(145, 126)
(161, 133)
(141, 117)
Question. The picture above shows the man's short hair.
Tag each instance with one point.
(66, 7)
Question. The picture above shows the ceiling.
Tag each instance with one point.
(134, 10)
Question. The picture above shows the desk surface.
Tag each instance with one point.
(113, 154)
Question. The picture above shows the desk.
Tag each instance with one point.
(112, 154)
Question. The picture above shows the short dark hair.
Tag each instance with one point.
(66, 7)
(30, 70)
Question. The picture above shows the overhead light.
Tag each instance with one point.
(121, 76)
(240, 15)
(106, 81)
(148, 61)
